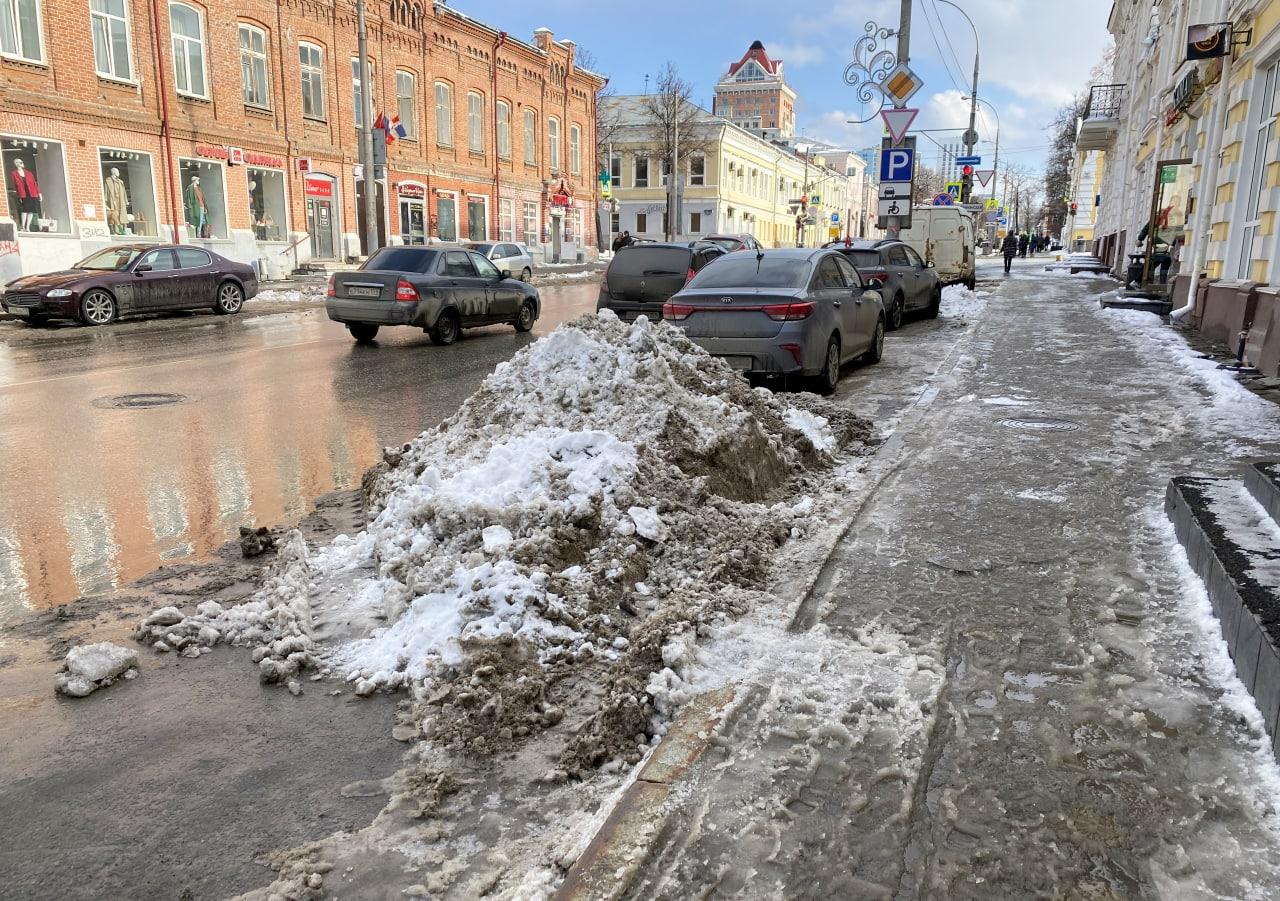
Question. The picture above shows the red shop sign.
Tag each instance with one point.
(407, 189)
(319, 187)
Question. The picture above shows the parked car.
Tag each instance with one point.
(789, 313)
(734, 243)
(128, 279)
(511, 258)
(440, 289)
(908, 283)
(944, 236)
(642, 277)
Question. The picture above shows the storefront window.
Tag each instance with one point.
(267, 204)
(413, 223)
(128, 193)
(36, 182)
(204, 199)
(1164, 233)
(506, 220)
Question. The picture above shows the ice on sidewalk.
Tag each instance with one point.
(89, 667)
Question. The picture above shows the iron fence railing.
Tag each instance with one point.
(1104, 101)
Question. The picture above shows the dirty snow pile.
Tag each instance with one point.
(310, 294)
(603, 497)
(89, 667)
(959, 302)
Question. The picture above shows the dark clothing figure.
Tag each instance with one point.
(621, 241)
(1010, 249)
(1023, 241)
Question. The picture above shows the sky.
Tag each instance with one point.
(1034, 54)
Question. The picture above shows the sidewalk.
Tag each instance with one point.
(1023, 697)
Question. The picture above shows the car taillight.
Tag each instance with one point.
(869, 274)
(789, 312)
(676, 311)
(406, 293)
(330, 291)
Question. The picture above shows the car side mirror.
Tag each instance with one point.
(928, 264)
(145, 267)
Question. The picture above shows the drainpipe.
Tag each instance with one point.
(497, 174)
(288, 144)
(1208, 184)
(162, 91)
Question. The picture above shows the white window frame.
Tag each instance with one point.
(506, 221)
(615, 170)
(357, 91)
(1254, 172)
(410, 126)
(155, 196)
(575, 149)
(485, 236)
(443, 93)
(107, 19)
(530, 207)
(701, 178)
(475, 122)
(20, 52)
(635, 171)
(530, 137)
(309, 73)
(553, 143)
(185, 68)
(503, 112)
(253, 55)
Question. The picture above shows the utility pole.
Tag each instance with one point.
(904, 56)
(366, 135)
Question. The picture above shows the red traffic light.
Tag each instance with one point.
(967, 170)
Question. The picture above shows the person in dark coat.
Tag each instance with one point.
(1023, 240)
(621, 241)
(1010, 250)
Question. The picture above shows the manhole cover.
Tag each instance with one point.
(1036, 424)
(139, 401)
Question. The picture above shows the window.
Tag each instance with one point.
(642, 223)
(20, 30)
(204, 199)
(1264, 127)
(665, 169)
(575, 150)
(159, 261)
(504, 129)
(615, 223)
(697, 170)
(851, 275)
(192, 257)
(110, 21)
(188, 50)
(127, 192)
(444, 114)
(695, 223)
(530, 138)
(896, 255)
(641, 179)
(311, 59)
(406, 107)
(475, 122)
(484, 268)
(615, 170)
(253, 66)
(477, 218)
(447, 217)
(506, 220)
(913, 258)
(36, 184)
(357, 90)
(267, 203)
(458, 263)
(553, 144)
(530, 223)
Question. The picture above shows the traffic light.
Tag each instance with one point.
(1073, 209)
(966, 183)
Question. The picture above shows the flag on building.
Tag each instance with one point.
(391, 127)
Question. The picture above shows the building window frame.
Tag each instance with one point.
(357, 90)
(503, 113)
(635, 171)
(407, 102)
(475, 122)
(444, 113)
(530, 224)
(507, 220)
(182, 46)
(575, 149)
(553, 144)
(311, 79)
(530, 138)
(14, 44)
(615, 170)
(697, 178)
(255, 78)
(1262, 117)
(103, 23)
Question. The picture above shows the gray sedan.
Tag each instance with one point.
(440, 289)
(783, 313)
(513, 259)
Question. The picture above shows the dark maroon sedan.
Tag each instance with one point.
(129, 279)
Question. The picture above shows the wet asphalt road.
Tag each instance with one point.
(274, 411)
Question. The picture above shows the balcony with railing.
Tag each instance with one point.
(1101, 122)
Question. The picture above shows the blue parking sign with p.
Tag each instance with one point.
(897, 163)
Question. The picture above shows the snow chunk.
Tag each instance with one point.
(813, 427)
(496, 539)
(89, 667)
(647, 522)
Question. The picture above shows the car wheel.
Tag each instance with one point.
(230, 299)
(526, 316)
(526, 274)
(935, 303)
(875, 353)
(972, 283)
(363, 332)
(830, 375)
(895, 313)
(97, 308)
(445, 331)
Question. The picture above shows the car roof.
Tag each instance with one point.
(649, 245)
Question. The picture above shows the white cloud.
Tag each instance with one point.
(796, 55)
(946, 109)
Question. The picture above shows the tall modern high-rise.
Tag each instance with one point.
(754, 95)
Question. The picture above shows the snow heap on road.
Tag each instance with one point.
(603, 496)
(89, 667)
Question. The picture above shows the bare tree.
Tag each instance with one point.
(673, 121)
(608, 122)
(929, 183)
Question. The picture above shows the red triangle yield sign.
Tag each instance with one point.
(984, 176)
(897, 121)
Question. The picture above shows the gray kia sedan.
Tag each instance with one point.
(440, 289)
(783, 313)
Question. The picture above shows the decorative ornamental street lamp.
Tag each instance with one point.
(870, 67)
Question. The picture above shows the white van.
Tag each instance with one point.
(944, 236)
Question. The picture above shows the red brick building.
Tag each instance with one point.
(244, 138)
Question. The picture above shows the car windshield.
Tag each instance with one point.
(863, 259)
(750, 271)
(402, 259)
(729, 244)
(481, 248)
(651, 261)
(112, 259)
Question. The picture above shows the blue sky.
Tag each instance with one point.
(1034, 54)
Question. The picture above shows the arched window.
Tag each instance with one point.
(553, 143)
(475, 122)
(575, 150)
(444, 114)
(253, 66)
(187, 27)
(311, 60)
(530, 138)
(110, 22)
(504, 129)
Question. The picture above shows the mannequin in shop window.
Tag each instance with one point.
(117, 197)
(197, 211)
(25, 186)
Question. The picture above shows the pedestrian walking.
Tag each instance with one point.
(1023, 241)
(1010, 250)
(621, 241)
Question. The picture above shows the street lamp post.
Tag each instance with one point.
(370, 211)
(970, 136)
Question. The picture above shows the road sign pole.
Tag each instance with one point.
(894, 229)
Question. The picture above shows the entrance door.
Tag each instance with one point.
(365, 250)
(320, 216)
(412, 221)
(477, 221)
(557, 235)
(447, 218)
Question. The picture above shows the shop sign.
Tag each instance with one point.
(319, 187)
(235, 156)
(304, 164)
(1188, 90)
(409, 189)
(213, 153)
(263, 159)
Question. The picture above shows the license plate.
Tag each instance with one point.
(741, 363)
(21, 312)
(364, 292)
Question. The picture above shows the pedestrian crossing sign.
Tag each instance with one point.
(991, 204)
(953, 188)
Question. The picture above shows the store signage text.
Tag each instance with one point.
(408, 189)
(319, 187)
(236, 156)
